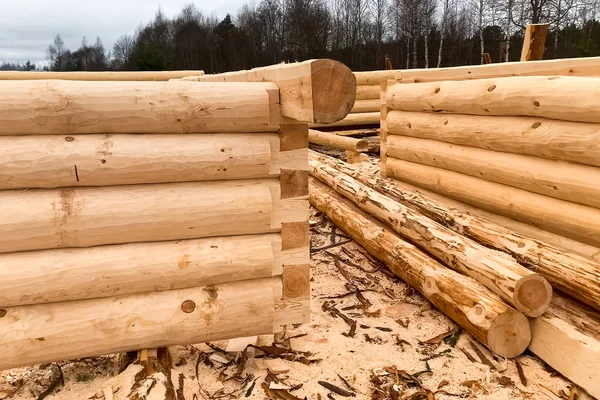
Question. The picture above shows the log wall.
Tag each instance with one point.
(147, 214)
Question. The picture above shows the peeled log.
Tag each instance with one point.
(374, 77)
(362, 106)
(558, 97)
(57, 275)
(562, 217)
(567, 338)
(49, 161)
(315, 91)
(558, 140)
(82, 217)
(559, 179)
(567, 272)
(71, 107)
(528, 292)
(371, 118)
(43, 333)
(585, 66)
(368, 92)
(469, 304)
(98, 75)
(534, 42)
(340, 142)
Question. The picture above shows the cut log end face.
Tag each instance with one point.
(532, 295)
(333, 91)
(509, 334)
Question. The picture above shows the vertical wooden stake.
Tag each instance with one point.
(534, 42)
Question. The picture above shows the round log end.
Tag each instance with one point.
(333, 90)
(532, 295)
(509, 335)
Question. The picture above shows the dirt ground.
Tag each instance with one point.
(400, 348)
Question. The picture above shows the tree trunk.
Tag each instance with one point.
(469, 304)
(565, 98)
(528, 292)
(545, 138)
(567, 272)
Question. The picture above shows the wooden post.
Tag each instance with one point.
(486, 58)
(534, 42)
(469, 304)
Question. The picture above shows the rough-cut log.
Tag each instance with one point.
(529, 292)
(534, 42)
(570, 67)
(71, 107)
(371, 118)
(98, 75)
(75, 274)
(374, 77)
(367, 92)
(567, 272)
(567, 338)
(319, 91)
(42, 333)
(558, 97)
(562, 217)
(560, 179)
(340, 142)
(469, 304)
(81, 217)
(559, 140)
(363, 106)
(49, 161)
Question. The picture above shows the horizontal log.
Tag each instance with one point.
(82, 217)
(566, 338)
(47, 276)
(364, 106)
(558, 140)
(567, 272)
(337, 141)
(71, 107)
(559, 179)
(572, 220)
(368, 92)
(361, 119)
(565, 98)
(589, 66)
(374, 77)
(315, 91)
(85, 328)
(465, 301)
(528, 292)
(98, 75)
(50, 161)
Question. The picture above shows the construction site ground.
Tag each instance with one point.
(370, 337)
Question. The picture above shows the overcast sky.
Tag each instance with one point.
(27, 27)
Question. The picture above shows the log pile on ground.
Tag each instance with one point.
(145, 214)
(482, 259)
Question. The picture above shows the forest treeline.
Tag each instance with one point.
(360, 33)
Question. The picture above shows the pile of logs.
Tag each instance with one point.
(146, 214)
(485, 277)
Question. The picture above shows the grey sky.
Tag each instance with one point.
(27, 27)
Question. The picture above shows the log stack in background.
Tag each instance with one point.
(146, 214)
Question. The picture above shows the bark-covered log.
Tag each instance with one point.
(572, 220)
(469, 304)
(559, 179)
(567, 272)
(547, 138)
(529, 292)
(565, 98)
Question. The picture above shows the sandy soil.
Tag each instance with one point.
(387, 358)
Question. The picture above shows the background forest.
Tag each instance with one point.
(360, 33)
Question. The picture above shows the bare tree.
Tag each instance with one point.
(443, 26)
(122, 50)
(55, 52)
